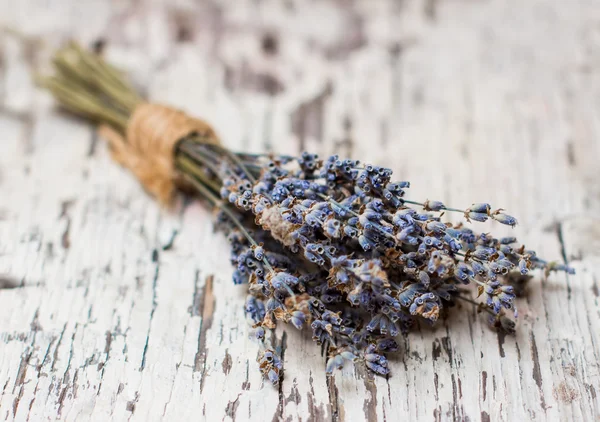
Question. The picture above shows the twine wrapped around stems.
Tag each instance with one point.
(143, 136)
(148, 148)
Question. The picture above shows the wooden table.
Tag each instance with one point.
(113, 308)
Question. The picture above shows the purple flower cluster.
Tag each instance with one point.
(333, 245)
(330, 245)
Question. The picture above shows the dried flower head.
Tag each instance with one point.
(335, 245)
(330, 244)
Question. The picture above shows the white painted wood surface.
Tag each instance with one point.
(112, 308)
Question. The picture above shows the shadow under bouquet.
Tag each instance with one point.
(331, 245)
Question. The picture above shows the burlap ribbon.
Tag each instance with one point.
(148, 149)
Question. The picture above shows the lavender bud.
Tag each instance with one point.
(505, 219)
(480, 208)
(477, 216)
(433, 205)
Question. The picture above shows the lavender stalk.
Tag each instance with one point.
(331, 245)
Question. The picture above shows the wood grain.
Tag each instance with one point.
(111, 308)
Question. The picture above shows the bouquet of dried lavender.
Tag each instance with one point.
(330, 245)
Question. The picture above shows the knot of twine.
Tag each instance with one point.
(148, 149)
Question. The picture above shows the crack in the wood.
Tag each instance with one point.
(5, 386)
(35, 325)
(460, 393)
(280, 349)
(294, 396)
(333, 394)
(130, 406)
(65, 239)
(455, 408)
(206, 310)
(440, 344)
(152, 311)
(20, 378)
(231, 408)
(227, 362)
(436, 349)
(195, 308)
(315, 414)
(537, 371)
(169, 245)
(594, 348)
(437, 414)
(39, 374)
(55, 355)
(107, 343)
(9, 282)
(370, 402)
(591, 391)
(447, 345)
(246, 383)
(65, 379)
(501, 335)
(17, 400)
(65, 207)
(484, 376)
(389, 389)
(75, 386)
(221, 333)
(563, 252)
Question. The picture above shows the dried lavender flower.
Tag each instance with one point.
(335, 246)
